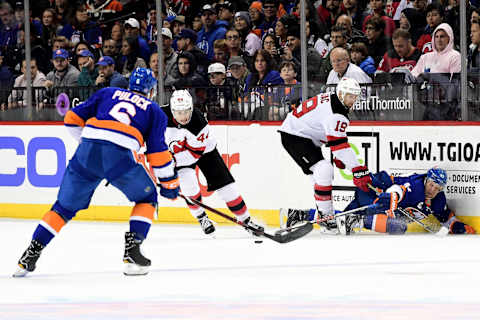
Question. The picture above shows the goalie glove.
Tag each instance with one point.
(361, 177)
(389, 201)
(169, 187)
(458, 227)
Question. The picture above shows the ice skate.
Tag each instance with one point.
(206, 224)
(29, 258)
(346, 223)
(252, 224)
(294, 216)
(329, 226)
(135, 262)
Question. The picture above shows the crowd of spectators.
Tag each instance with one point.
(229, 48)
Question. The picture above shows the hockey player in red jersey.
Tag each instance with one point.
(192, 144)
(112, 124)
(323, 120)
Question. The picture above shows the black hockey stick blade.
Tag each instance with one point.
(281, 236)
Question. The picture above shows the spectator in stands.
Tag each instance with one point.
(238, 68)
(132, 30)
(110, 48)
(219, 92)
(60, 42)
(412, 21)
(226, 12)
(130, 58)
(378, 43)
(49, 28)
(378, 10)
(312, 18)
(79, 27)
(342, 67)
(354, 10)
(79, 47)
(403, 56)
(233, 41)
(88, 71)
(263, 73)
(104, 10)
(151, 32)
(282, 25)
(169, 55)
(60, 11)
(250, 42)
(211, 30)
(197, 23)
(220, 51)
(20, 17)
(256, 14)
(452, 17)
(64, 74)
(475, 15)
(444, 58)
(117, 33)
(328, 12)
(289, 76)
(435, 16)
(271, 44)
(178, 24)
(359, 56)
(338, 37)
(270, 9)
(353, 34)
(107, 76)
(186, 43)
(474, 54)
(154, 66)
(18, 97)
(184, 75)
(8, 27)
(6, 82)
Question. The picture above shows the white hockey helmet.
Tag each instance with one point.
(181, 104)
(348, 85)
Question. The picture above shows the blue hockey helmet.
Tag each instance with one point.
(142, 80)
(437, 175)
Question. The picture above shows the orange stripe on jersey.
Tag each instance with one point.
(145, 210)
(54, 220)
(381, 223)
(72, 118)
(116, 126)
(159, 159)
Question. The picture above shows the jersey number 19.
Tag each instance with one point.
(310, 104)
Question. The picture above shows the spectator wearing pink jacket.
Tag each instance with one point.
(443, 58)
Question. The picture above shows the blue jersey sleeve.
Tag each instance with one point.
(89, 108)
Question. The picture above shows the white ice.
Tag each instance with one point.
(365, 276)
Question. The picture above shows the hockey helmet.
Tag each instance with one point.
(142, 80)
(347, 85)
(437, 175)
(181, 104)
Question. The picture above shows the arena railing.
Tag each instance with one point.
(432, 97)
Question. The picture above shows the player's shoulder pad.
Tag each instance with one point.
(197, 123)
(337, 106)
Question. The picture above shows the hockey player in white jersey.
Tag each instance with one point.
(192, 144)
(323, 120)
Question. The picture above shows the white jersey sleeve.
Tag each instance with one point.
(336, 132)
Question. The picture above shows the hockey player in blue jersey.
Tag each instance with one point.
(421, 191)
(110, 125)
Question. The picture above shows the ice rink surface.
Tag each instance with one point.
(364, 276)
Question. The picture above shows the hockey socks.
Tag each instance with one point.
(141, 219)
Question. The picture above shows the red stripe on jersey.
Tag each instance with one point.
(340, 147)
(234, 202)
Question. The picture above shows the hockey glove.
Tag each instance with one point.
(169, 187)
(361, 177)
(338, 163)
(389, 201)
(459, 227)
(422, 206)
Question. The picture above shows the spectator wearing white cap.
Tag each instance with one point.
(212, 30)
(250, 41)
(219, 93)
(132, 30)
(169, 55)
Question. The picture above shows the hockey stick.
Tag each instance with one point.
(330, 217)
(443, 231)
(280, 236)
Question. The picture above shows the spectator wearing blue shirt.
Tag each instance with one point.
(79, 27)
(107, 76)
(8, 27)
(132, 30)
(212, 30)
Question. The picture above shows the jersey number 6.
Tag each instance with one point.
(123, 112)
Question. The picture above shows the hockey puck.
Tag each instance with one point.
(258, 241)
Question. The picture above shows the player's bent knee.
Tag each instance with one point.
(66, 214)
(322, 172)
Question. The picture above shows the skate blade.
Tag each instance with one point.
(132, 269)
(20, 272)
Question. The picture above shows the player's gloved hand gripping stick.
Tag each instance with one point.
(280, 236)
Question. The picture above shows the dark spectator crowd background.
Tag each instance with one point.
(229, 47)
